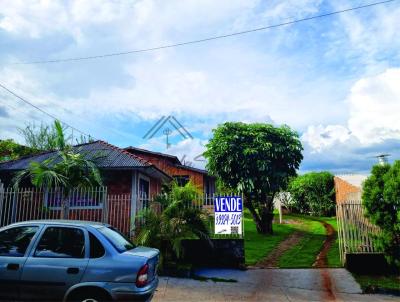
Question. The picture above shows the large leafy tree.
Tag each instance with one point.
(257, 160)
(313, 193)
(381, 199)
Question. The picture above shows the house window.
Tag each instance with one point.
(181, 180)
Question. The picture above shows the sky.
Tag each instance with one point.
(334, 80)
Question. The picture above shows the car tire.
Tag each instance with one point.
(90, 296)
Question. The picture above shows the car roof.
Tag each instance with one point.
(81, 223)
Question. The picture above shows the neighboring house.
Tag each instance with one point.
(172, 166)
(122, 172)
(348, 187)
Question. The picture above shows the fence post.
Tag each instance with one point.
(1, 203)
(65, 205)
(105, 206)
(14, 205)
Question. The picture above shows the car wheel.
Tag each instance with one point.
(90, 297)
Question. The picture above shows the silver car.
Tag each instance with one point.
(53, 260)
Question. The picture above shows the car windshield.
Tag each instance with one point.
(121, 243)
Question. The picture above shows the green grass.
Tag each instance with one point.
(258, 246)
(384, 281)
(304, 253)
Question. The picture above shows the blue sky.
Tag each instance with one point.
(334, 80)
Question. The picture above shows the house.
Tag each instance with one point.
(130, 182)
(122, 171)
(172, 166)
(131, 178)
(348, 187)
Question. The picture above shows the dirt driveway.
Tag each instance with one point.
(267, 285)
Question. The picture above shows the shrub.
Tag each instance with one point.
(313, 193)
(381, 200)
(179, 219)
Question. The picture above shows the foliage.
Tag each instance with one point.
(257, 160)
(221, 188)
(381, 200)
(371, 283)
(66, 169)
(69, 170)
(313, 193)
(10, 150)
(49, 137)
(178, 220)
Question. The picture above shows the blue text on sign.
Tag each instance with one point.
(228, 204)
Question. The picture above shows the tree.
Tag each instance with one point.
(313, 193)
(10, 150)
(257, 160)
(67, 169)
(179, 219)
(381, 200)
(49, 137)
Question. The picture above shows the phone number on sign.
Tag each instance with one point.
(228, 219)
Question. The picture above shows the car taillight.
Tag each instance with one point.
(142, 276)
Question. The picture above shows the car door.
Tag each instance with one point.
(57, 262)
(15, 243)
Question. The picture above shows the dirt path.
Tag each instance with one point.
(322, 260)
(272, 260)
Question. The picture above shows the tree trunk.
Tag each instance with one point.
(255, 215)
(266, 220)
(263, 219)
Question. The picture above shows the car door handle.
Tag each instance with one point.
(13, 266)
(72, 270)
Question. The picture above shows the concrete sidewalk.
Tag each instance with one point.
(267, 285)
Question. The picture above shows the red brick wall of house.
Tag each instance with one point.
(167, 165)
(343, 189)
(118, 181)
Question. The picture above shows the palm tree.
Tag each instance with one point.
(180, 219)
(68, 169)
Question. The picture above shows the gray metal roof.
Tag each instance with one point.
(105, 156)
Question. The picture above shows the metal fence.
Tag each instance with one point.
(356, 234)
(90, 204)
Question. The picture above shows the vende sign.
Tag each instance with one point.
(228, 214)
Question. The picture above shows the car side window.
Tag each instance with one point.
(15, 241)
(61, 242)
(96, 247)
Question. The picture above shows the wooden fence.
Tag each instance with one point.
(356, 234)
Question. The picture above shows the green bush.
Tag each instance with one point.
(179, 219)
(381, 200)
(313, 193)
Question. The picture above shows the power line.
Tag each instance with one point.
(41, 110)
(205, 39)
(52, 116)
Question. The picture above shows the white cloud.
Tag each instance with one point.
(369, 35)
(320, 137)
(374, 106)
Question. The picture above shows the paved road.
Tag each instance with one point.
(268, 285)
